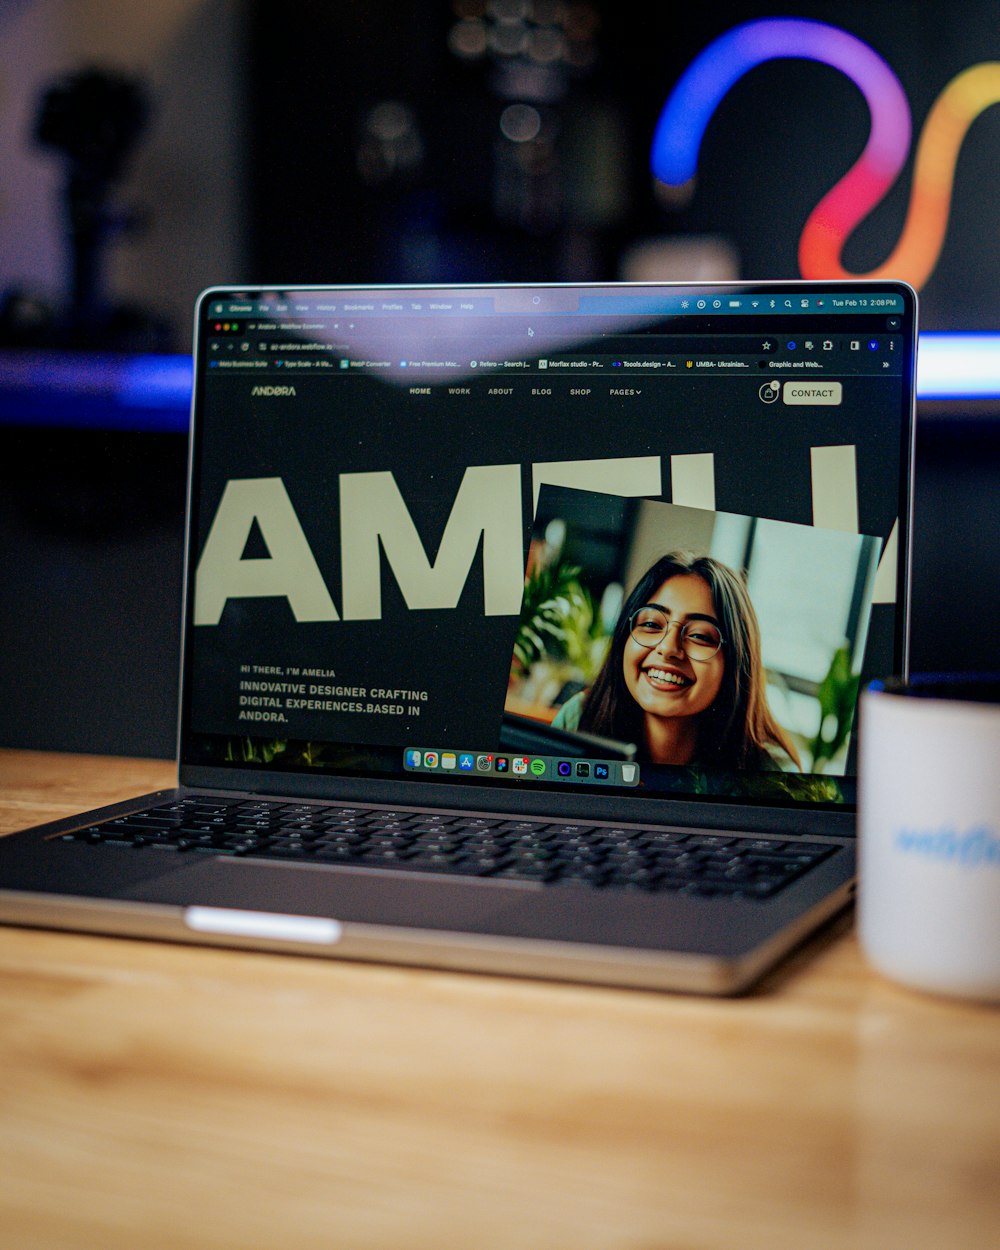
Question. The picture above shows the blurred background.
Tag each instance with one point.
(150, 151)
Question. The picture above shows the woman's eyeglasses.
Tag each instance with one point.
(699, 640)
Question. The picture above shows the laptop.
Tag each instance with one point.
(523, 630)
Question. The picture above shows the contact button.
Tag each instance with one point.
(812, 392)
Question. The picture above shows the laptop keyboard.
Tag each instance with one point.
(526, 850)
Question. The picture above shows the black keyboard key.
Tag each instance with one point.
(660, 841)
(778, 864)
(144, 821)
(564, 832)
(536, 837)
(284, 852)
(623, 857)
(388, 855)
(486, 860)
(336, 855)
(435, 863)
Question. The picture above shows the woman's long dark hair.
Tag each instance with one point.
(738, 727)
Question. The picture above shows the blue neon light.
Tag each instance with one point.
(71, 390)
(958, 366)
(156, 382)
(708, 79)
(153, 393)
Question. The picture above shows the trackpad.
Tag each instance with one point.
(364, 897)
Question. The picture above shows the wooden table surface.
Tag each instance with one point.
(155, 1095)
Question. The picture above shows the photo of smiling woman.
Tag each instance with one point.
(683, 678)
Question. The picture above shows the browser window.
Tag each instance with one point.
(636, 540)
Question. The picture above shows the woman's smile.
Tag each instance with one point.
(665, 678)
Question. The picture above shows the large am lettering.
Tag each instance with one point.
(375, 519)
(289, 569)
(373, 513)
(376, 522)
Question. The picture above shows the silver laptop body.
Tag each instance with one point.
(523, 630)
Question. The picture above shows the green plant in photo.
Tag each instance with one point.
(837, 694)
(253, 750)
(559, 621)
(312, 754)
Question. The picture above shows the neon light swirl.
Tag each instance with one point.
(692, 103)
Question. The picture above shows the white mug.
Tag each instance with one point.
(929, 832)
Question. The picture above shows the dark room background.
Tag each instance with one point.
(441, 140)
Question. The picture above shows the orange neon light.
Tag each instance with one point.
(967, 95)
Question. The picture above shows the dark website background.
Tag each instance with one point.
(455, 662)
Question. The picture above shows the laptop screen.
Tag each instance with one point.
(633, 540)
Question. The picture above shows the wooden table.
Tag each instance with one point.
(157, 1095)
